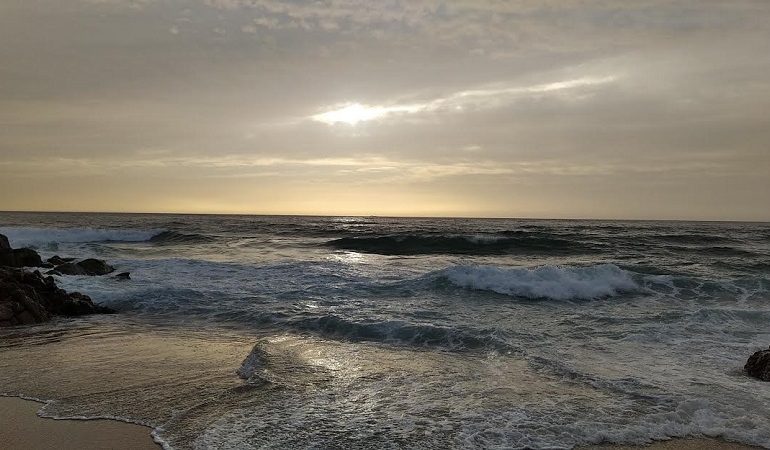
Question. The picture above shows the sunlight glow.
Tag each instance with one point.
(351, 114)
(354, 113)
(486, 97)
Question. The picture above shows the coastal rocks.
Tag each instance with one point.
(758, 365)
(96, 266)
(123, 276)
(26, 257)
(70, 269)
(29, 297)
(88, 266)
(19, 257)
(57, 260)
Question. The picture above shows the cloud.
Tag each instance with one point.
(501, 29)
(489, 97)
(371, 168)
(587, 96)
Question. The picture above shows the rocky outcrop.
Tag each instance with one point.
(88, 266)
(26, 257)
(95, 266)
(758, 365)
(70, 269)
(19, 257)
(29, 297)
(57, 260)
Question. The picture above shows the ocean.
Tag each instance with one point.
(372, 332)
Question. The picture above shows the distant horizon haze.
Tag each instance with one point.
(427, 217)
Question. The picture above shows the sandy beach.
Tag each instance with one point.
(21, 428)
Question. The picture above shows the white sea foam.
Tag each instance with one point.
(484, 238)
(254, 362)
(31, 236)
(553, 282)
(691, 418)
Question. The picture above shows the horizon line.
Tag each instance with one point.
(386, 216)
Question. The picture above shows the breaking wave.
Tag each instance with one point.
(41, 237)
(698, 239)
(173, 237)
(38, 237)
(482, 244)
(549, 282)
(402, 333)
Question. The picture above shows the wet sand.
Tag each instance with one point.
(21, 428)
(159, 371)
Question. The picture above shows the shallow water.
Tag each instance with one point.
(380, 332)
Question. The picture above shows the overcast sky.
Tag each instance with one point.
(529, 108)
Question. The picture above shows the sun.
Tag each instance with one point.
(351, 114)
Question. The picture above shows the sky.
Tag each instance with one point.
(645, 109)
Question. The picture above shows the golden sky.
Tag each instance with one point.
(531, 108)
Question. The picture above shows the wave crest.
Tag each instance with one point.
(173, 237)
(402, 333)
(549, 282)
(36, 237)
(41, 237)
(482, 244)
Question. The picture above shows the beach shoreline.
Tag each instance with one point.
(21, 427)
(253, 333)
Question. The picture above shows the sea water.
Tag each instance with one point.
(368, 332)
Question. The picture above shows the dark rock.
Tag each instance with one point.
(88, 266)
(71, 269)
(20, 257)
(29, 297)
(26, 257)
(6, 312)
(47, 265)
(54, 272)
(57, 260)
(7, 259)
(26, 318)
(95, 266)
(758, 365)
(123, 276)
